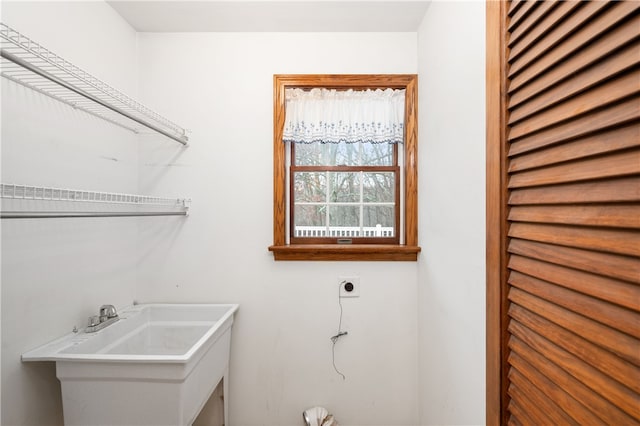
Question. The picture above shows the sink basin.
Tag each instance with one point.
(153, 339)
(157, 365)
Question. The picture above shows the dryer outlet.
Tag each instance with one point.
(349, 286)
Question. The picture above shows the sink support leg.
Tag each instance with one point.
(225, 395)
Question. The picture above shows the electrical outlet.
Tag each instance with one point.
(349, 286)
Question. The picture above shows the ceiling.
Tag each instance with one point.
(272, 16)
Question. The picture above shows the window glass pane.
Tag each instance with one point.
(344, 187)
(378, 187)
(344, 216)
(378, 154)
(305, 215)
(343, 154)
(311, 154)
(324, 154)
(381, 218)
(309, 187)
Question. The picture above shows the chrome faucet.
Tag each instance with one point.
(107, 316)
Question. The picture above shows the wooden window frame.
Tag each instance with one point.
(392, 252)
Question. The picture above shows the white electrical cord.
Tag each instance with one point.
(341, 333)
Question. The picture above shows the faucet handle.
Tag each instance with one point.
(108, 311)
(93, 321)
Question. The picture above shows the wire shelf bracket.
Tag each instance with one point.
(129, 204)
(29, 64)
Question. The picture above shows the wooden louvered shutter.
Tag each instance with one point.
(569, 278)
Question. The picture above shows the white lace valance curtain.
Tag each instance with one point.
(332, 116)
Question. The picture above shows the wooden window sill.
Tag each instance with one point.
(345, 252)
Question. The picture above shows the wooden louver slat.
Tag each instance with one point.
(601, 191)
(515, 5)
(612, 215)
(606, 240)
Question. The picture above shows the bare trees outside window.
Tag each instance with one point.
(344, 190)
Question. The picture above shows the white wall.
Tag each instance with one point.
(451, 277)
(220, 85)
(57, 272)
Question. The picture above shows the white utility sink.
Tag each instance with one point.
(157, 365)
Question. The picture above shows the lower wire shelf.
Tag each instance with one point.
(35, 202)
(61, 214)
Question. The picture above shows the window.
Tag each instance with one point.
(345, 201)
(344, 165)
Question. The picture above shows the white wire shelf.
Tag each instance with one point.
(127, 204)
(29, 64)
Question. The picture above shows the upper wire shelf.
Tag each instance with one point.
(29, 64)
(128, 204)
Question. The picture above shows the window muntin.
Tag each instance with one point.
(346, 191)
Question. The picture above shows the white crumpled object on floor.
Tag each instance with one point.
(318, 416)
